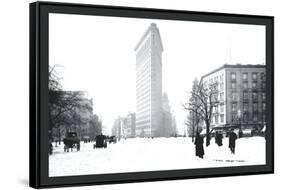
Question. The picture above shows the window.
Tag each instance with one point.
(221, 86)
(233, 84)
(263, 96)
(222, 118)
(234, 96)
(221, 77)
(254, 76)
(245, 107)
(264, 118)
(233, 76)
(245, 117)
(255, 117)
(263, 106)
(216, 79)
(254, 85)
(255, 106)
(222, 96)
(245, 95)
(215, 87)
(262, 76)
(222, 108)
(255, 95)
(233, 117)
(205, 83)
(233, 107)
(216, 119)
(215, 109)
(245, 84)
(245, 76)
(215, 97)
(263, 85)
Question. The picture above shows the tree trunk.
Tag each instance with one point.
(207, 133)
(193, 127)
(59, 136)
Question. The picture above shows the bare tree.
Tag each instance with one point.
(192, 122)
(62, 104)
(193, 108)
(202, 102)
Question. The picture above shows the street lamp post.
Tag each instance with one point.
(239, 122)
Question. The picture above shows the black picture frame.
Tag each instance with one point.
(39, 44)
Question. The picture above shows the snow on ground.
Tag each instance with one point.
(143, 154)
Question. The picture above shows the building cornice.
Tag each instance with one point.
(225, 66)
(150, 28)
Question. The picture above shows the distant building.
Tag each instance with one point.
(149, 83)
(117, 128)
(168, 119)
(78, 119)
(124, 127)
(131, 125)
(241, 92)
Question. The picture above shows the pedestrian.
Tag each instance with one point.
(232, 139)
(240, 133)
(218, 138)
(50, 148)
(199, 149)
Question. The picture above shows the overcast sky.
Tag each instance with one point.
(97, 55)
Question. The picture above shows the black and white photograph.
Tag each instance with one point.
(140, 94)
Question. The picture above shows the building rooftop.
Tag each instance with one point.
(152, 26)
(233, 66)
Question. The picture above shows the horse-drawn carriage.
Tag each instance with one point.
(71, 141)
(101, 141)
(112, 139)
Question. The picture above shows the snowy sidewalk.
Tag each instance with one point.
(143, 154)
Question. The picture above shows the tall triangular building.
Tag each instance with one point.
(149, 83)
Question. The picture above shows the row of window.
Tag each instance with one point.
(245, 118)
(216, 79)
(246, 95)
(254, 95)
(215, 119)
(246, 85)
(144, 48)
(216, 108)
(246, 107)
(214, 86)
(245, 76)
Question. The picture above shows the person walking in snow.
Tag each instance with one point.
(232, 140)
(199, 149)
(218, 138)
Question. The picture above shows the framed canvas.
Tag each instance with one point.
(122, 94)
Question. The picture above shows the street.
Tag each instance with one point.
(145, 154)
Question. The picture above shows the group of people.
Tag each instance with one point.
(199, 143)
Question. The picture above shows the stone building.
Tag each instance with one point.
(131, 125)
(241, 93)
(78, 119)
(124, 127)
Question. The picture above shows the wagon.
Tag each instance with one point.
(112, 139)
(100, 142)
(71, 141)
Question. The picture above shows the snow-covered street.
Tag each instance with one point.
(143, 154)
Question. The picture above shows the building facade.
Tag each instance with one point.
(131, 125)
(241, 95)
(169, 127)
(79, 119)
(149, 83)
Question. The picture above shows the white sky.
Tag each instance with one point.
(97, 55)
